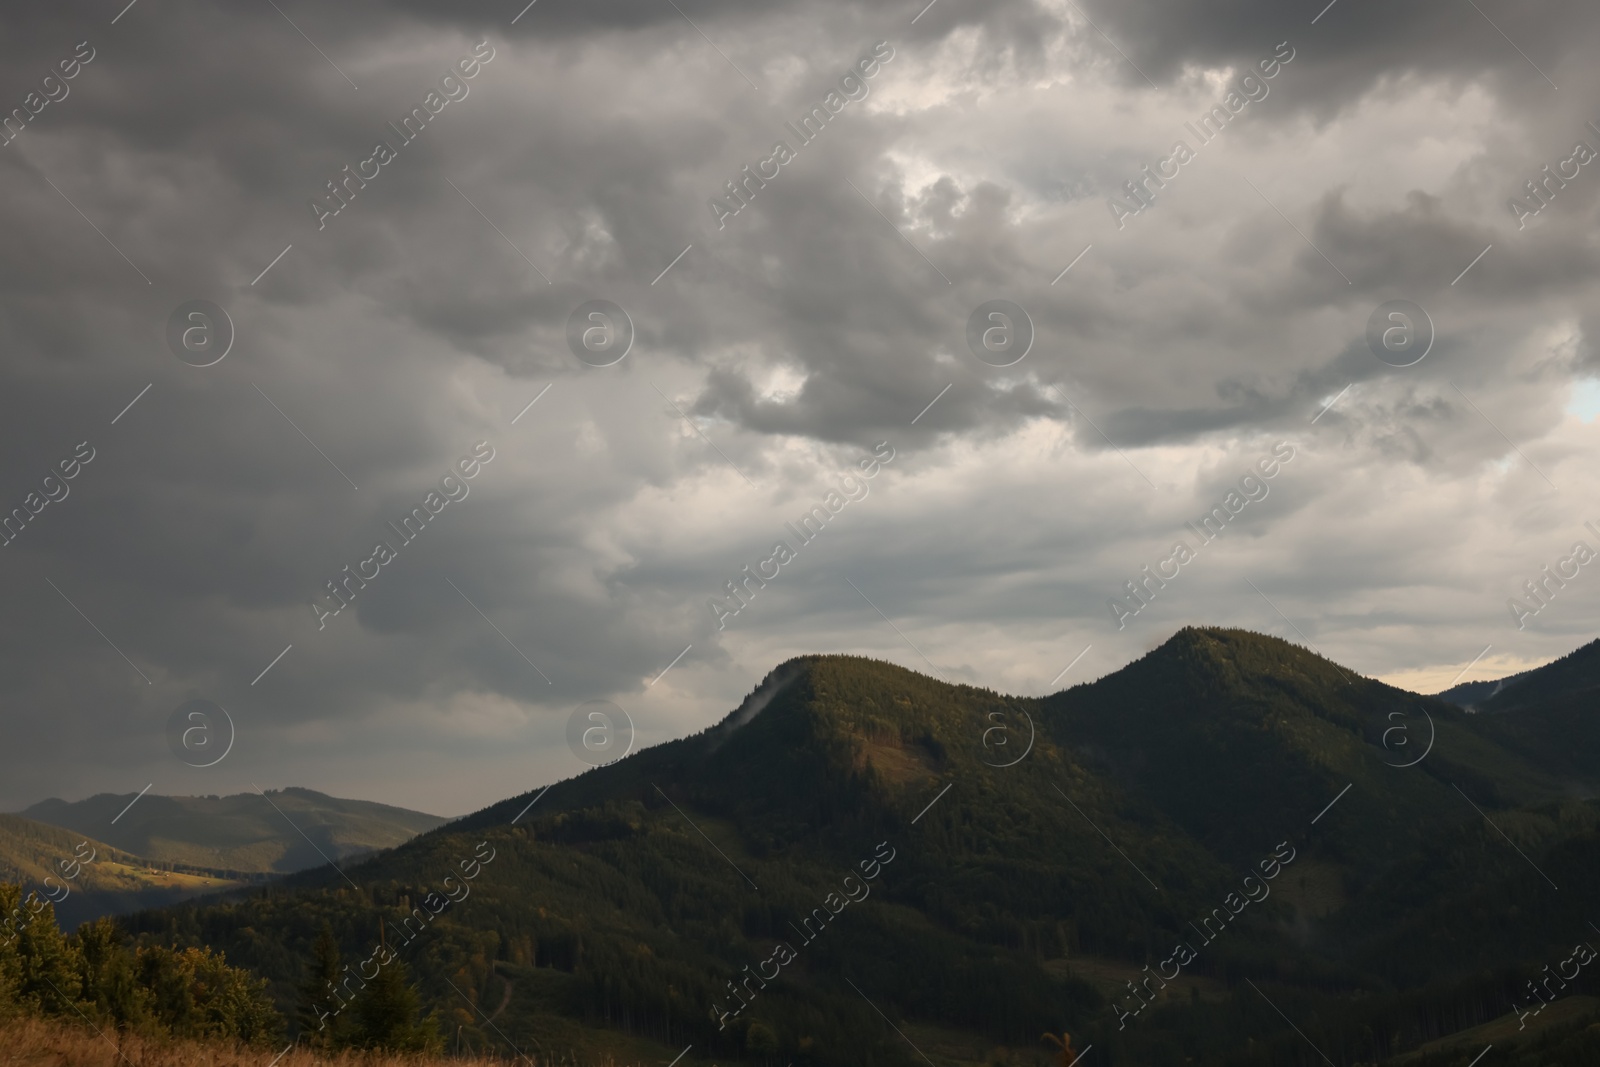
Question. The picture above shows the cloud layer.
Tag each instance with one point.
(772, 350)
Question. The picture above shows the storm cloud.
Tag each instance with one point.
(373, 349)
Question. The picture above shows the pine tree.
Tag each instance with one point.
(387, 1014)
(318, 1015)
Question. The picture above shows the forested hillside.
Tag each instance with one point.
(1232, 851)
(85, 878)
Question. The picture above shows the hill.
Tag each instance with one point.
(1548, 715)
(1577, 674)
(863, 865)
(245, 832)
(89, 878)
(1469, 695)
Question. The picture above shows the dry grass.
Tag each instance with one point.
(39, 1043)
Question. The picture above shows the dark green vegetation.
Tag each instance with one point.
(386, 1015)
(95, 976)
(243, 832)
(1575, 674)
(617, 914)
(50, 861)
(1548, 715)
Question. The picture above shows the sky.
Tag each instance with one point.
(940, 319)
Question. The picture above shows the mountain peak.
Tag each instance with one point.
(775, 682)
(1232, 658)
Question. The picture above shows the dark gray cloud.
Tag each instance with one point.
(825, 317)
(1354, 44)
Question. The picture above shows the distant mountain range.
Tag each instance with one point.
(165, 849)
(88, 878)
(280, 832)
(864, 865)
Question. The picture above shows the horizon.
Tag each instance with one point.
(1458, 679)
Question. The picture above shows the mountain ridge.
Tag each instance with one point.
(1578, 672)
(628, 900)
(248, 832)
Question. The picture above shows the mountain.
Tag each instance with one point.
(88, 878)
(282, 831)
(1231, 851)
(1548, 715)
(1574, 675)
(1469, 695)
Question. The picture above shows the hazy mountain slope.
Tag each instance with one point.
(1471, 694)
(1551, 716)
(243, 832)
(90, 878)
(1575, 674)
(629, 898)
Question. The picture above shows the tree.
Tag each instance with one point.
(320, 1020)
(161, 971)
(387, 1014)
(229, 1002)
(49, 982)
(761, 1041)
(106, 971)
